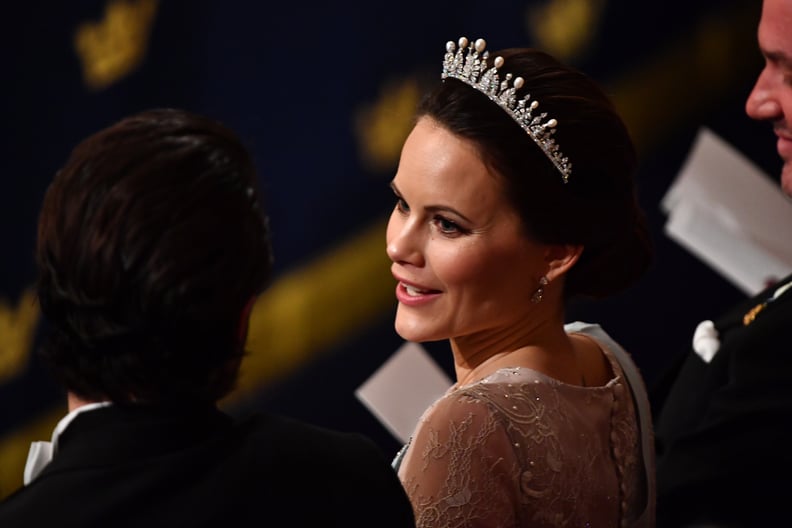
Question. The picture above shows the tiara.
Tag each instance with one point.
(471, 68)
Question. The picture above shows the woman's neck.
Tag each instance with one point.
(542, 345)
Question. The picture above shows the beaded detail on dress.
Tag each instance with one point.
(524, 449)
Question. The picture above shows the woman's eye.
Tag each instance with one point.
(447, 226)
(402, 206)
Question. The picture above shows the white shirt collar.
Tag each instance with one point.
(41, 453)
(782, 289)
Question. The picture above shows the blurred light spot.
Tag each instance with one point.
(17, 326)
(565, 28)
(114, 47)
(382, 127)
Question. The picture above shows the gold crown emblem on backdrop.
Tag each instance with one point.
(468, 63)
(115, 46)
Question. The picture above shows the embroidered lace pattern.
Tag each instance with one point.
(521, 449)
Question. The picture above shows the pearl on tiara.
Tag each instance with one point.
(469, 65)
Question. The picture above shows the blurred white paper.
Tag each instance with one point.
(725, 211)
(403, 388)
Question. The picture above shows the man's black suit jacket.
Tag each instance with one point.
(724, 428)
(151, 467)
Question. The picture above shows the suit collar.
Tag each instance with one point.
(41, 453)
(123, 434)
(734, 318)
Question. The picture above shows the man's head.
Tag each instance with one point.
(771, 98)
(151, 244)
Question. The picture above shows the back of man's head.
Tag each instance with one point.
(151, 243)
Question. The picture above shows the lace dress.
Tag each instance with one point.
(519, 448)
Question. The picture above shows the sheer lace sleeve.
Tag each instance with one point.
(460, 470)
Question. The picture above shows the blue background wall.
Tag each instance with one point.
(322, 93)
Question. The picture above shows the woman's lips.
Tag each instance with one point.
(415, 291)
(413, 295)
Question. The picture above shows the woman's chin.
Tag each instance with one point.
(414, 331)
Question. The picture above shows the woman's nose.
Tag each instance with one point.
(403, 244)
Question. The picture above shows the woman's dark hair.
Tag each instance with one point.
(598, 207)
(151, 243)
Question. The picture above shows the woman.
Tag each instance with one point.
(514, 194)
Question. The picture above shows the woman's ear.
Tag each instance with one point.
(560, 259)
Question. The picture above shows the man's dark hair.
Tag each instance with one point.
(151, 244)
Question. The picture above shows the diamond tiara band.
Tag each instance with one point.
(468, 63)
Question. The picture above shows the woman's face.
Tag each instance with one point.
(463, 262)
